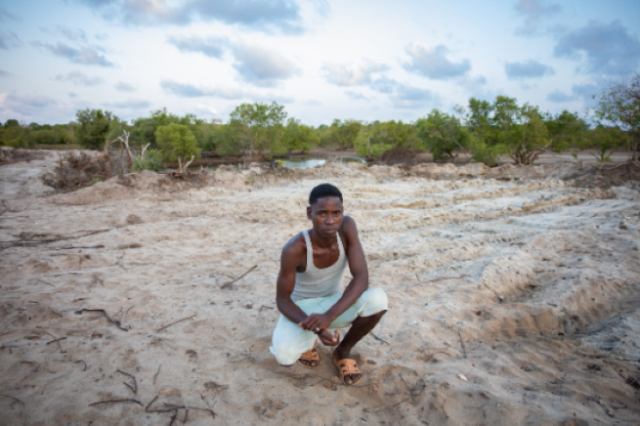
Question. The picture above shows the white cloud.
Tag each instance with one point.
(262, 66)
(79, 79)
(352, 74)
(432, 62)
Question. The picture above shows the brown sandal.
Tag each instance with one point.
(347, 367)
(310, 356)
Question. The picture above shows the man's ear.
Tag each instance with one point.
(308, 212)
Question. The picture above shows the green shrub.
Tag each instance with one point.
(152, 161)
(487, 154)
(176, 140)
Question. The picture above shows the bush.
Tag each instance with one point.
(176, 140)
(43, 137)
(485, 153)
(377, 138)
(152, 161)
(93, 127)
(443, 135)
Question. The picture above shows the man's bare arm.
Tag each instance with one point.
(289, 259)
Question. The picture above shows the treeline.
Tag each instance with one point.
(484, 131)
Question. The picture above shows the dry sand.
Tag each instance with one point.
(518, 280)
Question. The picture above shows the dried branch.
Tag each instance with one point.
(44, 282)
(76, 247)
(133, 388)
(184, 167)
(223, 286)
(175, 322)
(149, 404)
(179, 407)
(115, 322)
(446, 278)
(56, 341)
(379, 339)
(116, 401)
(124, 140)
(173, 418)
(155, 376)
(464, 349)
(37, 365)
(28, 243)
(144, 149)
(14, 399)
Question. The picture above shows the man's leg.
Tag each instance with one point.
(290, 341)
(363, 316)
(360, 328)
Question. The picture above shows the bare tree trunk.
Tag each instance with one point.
(125, 142)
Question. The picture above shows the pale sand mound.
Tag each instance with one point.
(524, 284)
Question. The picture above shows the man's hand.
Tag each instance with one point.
(329, 339)
(315, 323)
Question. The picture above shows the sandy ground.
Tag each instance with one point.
(514, 299)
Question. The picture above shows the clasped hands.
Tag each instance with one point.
(318, 324)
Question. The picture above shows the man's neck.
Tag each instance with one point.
(320, 241)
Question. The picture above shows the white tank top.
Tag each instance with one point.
(314, 282)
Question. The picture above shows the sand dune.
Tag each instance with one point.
(519, 280)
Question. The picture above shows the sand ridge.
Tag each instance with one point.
(517, 279)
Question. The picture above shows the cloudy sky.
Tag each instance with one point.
(321, 59)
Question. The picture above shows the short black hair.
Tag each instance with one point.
(324, 190)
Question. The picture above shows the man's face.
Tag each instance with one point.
(326, 216)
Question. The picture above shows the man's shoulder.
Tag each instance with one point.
(349, 226)
(348, 221)
(295, 245)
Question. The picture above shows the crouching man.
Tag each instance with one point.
(308, 289)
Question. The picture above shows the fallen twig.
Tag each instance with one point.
(149, 404)
(37, 365)
(446, 278)
(31, 243)
(85, 364)
(264, 307)
(464, 349)
(379, 339)
(56, 341)
(76, 247)
(115, 322)
(175, 322)
(133, 388)
(239, 278)
(173, 418)
(116, 401)
(178, 407)
(155, 376)
(14, 399)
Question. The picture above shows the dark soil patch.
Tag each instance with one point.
(10, 156)
(75, 171)
(606, 177)
(400, 155)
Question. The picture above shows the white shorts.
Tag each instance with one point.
(290, 341)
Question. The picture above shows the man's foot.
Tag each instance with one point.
(347, 368)
(310, 359)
